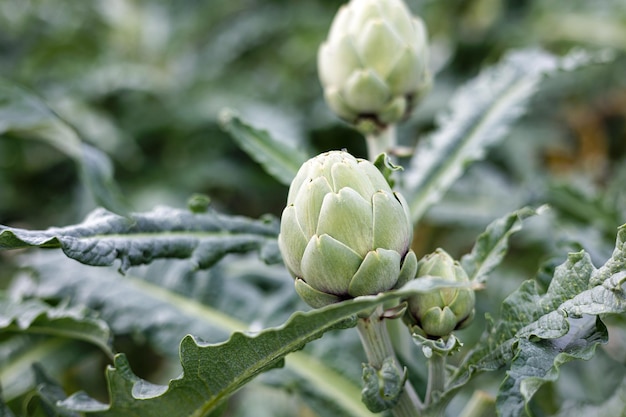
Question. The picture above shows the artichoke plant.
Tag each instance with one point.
(373, 65)
(438, 313)
(344, 232)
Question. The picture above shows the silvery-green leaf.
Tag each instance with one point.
(164, 232)
(277, 158)
(480, 115)
(492, 245)
(212, 372)
(536, 333)
(36, 317)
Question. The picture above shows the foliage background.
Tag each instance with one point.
(145, 81)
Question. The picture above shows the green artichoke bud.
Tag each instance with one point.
(344, 232)
(373, 65)
(437, 313)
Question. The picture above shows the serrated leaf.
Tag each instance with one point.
(164, 232)
(213, 372)
(36, 317)
(24, 114)
(128, 304)
(277, 158)
(491, 246)
(535, 331)
(480, 115)
(538, 362)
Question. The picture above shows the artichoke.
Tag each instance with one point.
(373, 65)
(437, 313)
(344, 232)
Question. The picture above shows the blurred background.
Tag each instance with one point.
(145, 80)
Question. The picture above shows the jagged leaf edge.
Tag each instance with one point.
(316, 323)
(466, 131)
(528, 372)
(277, 158)
(314, 372)
(36, 317)
(612, 273)
(491, 245)
(99, 239)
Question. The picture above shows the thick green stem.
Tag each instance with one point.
(377, 345)
(383, 141)
(436, 375)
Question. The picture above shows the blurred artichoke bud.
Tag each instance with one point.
(437, 313)
(373, 65)
(344, 232)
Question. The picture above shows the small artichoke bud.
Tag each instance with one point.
(437, 313)
(374, 64)
(382, 387)
(344, 232)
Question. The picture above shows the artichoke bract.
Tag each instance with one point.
(373, 65)
(438, 313)
(344, 232)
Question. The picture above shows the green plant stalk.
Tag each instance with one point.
(436, 376)
(379, 142)
(378, 347)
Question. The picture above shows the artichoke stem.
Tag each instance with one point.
(436, 376)
(377, 346)
(383, 141)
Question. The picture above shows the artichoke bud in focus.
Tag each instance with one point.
(439, 312)
(374, 64)
(344, 232)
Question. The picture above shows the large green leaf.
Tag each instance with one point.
(24, 114)
(492, 245)
(210, 304)
(24, 323)
(538, 362)
(277, 158)
(35, 316)
(212, 372)
(537, 333)
(480, 115)
(162, 233)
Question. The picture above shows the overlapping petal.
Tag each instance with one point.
(439, 312)
(347, 217)
(328, 232)
(374, 64)
(292, 241)
(388, 216)
(378, 272)
(328, 265)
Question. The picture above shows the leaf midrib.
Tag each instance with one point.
(419, 204)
